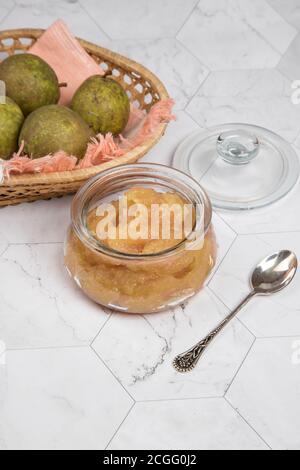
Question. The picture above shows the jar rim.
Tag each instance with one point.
(157, 171)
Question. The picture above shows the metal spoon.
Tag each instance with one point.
(272, 275)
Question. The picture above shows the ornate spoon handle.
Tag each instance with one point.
(186, 361)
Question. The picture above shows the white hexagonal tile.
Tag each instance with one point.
(261, 97)
(167, 58)
(225, 237)
(186, 424)
(277, 217)
(5, 8)
(58, 399)
(296, 145)
(289, 63)
(37, 222)
(236, 35)
(267, 392)
(277, 315)
(288, 9)
(139, 350)
(41, 14)
(3, 248)
(140, 19)
(40, 305)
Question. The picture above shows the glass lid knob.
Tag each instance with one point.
(237, 147)
(223, 159)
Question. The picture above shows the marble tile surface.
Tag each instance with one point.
(48, 310)
(175, 133)
(288, 9)
(262, 97)
(140, 19)
(42, 13)
(71, 372)
(175, 425)
(58, 399)
(289, 62)
(232, 34)
(40, 222)
(6, 8)
(267, 391)
(143, 363)
(167, 58)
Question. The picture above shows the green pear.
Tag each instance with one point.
(52, 128)
(29, 81)
(103, 104)
(11, 120)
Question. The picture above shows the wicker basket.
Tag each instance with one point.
(144, 89)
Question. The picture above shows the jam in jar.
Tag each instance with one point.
(141, 238)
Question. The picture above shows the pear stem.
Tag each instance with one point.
(62, 85)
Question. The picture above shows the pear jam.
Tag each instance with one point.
(137, 269)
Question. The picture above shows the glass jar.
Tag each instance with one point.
(140, 283)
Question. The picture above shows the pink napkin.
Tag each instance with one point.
(72, 64)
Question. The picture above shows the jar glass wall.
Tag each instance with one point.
(145, 281)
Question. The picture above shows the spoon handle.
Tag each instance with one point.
(186, 361)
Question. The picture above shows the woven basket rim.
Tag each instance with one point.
(83, 174)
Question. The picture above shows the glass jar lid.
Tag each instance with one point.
(241, 166)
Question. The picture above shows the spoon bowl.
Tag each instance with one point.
(274, 273)
(271, 275)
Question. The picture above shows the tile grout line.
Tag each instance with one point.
(248, 424)
(158, 400)
(240, 367)
(194, 56)
(112, 373)
(222, 261)
(229, 308)
(252, 29)
(284, 19)
(193, 119)
(109, 315)
(282, 73)
(264, 38)
(120, 425)
(8, 13)
(187, 18)
(194, 96)
(94, 21)
(216, 211)
(3, 252)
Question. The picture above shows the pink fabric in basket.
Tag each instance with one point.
(72, 64)
(101, 149)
